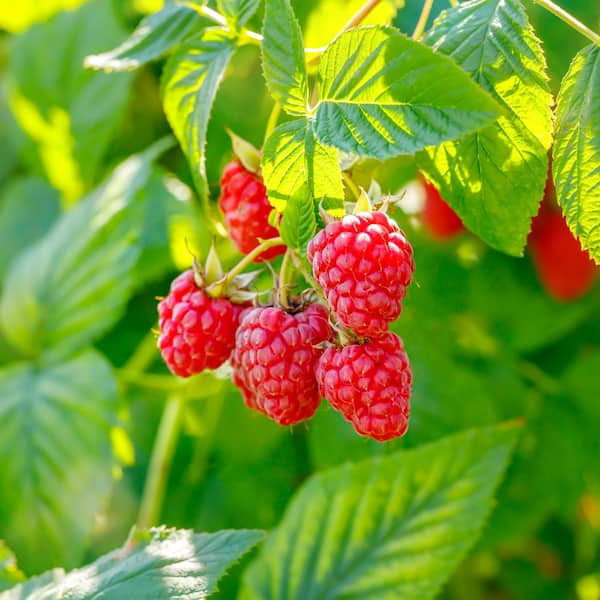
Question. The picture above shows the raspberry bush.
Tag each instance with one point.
(321, 280)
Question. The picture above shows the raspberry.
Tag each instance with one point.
(364, 264)
(197, 332)
(438, 216)
(274, 359)
(370, 385)
(565, 270)
(246, 208)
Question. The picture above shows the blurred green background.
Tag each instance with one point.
(485, 340)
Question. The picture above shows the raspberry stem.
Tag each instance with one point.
(216, 288)
(160, 463)
(284, 273)
(422, 22)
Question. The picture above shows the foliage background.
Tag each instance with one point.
(486, 342)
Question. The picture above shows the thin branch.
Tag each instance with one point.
(423, 18)
(570, 20)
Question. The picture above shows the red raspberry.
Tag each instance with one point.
(370, 385)
(565, 270)
(438, 216)
(197, 332)
(246, 208)
(274, 359)
(364, 264)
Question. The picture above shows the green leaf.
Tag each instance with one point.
(189, 86)
(163, 564)
(237, 12)
(283, 57)
(293, 157)
(10, 574)
(57, 466)
(70, 113)
(156, 35)
(382, 94)
(576, 154)
(391, 527)
(299, 223)
(28, 208)
(494, 178)
(70, 287)
(168, 211)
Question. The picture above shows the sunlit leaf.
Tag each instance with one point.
(293, 157)
(576, 165)
(189, 86)
(154, 36)
(283, 57)
(160, 563)
(494, 178)
(382, 94)
(390, 527)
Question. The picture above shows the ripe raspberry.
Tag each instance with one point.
(565, 270)
(197, 332)
(370, 385)
(246, 208)
(274, 360)
(438, 216)
(364, 264)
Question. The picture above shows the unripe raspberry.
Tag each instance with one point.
(246, 210)
(370, 385)
(197, 332)
(566, 271)
(274, 360)
(438, 216)
(364, 264)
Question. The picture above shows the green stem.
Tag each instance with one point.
(284, 273)
(143, 355)
(453, 3)
(149, 381)
(249, 258)
(423, 18)
(160, 463)
(570, 20)
(361, 14)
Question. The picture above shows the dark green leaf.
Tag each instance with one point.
(189, 85)
(161, 564)
(70, 113)
(70, 287)
(576, 154)
(283, 57)
(299, 223)
(28, 208)
(391, 527)
(237, 12)
(494, 178)
(382, 94)
(292, 157)
(156, 35)
(57, 467)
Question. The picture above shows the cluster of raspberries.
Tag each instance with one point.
(285, 359)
